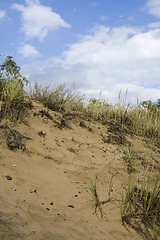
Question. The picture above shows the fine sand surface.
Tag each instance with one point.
(48, 196)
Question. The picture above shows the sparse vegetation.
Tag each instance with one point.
(94, 194)
(138, 119)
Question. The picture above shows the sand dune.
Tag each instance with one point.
(52, 159)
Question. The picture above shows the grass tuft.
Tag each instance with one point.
(142, 202)
(95, 196)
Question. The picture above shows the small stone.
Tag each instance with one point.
(76, 195)
(9, 178)
(71, 206)
(14, 165)
(51, 203)
(47, 209)
(31, 191)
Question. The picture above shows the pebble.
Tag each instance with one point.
(71, 206)
(31, 191)
(14, 165)
(9, 178)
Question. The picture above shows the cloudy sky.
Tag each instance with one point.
(107, 45)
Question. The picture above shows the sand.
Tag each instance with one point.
(48, 196)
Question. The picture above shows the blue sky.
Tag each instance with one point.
(96, 45)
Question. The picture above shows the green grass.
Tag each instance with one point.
(142, 201)
(95, 196)
(129, 157)
(94, 193)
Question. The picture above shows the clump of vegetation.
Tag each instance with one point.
(140, 205)
(12, 92)
(129, 156)
(58, 99)
(95, 196)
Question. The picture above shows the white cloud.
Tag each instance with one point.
(107, 59)
(2, 14)
(154, 7)
(154, 25)
(38, 19)
(28, 50)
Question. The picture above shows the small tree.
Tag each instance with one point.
(10, 70)
(152, 106)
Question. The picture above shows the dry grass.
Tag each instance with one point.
(136, 119)
(13, 97)
(12, 92)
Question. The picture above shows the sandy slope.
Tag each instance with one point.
(48, 196)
